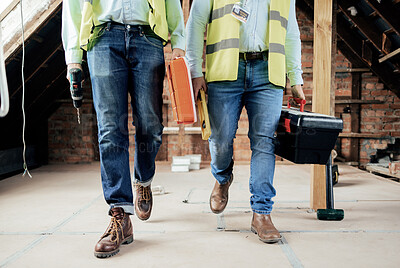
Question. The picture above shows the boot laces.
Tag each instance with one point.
(113, 230)
(144, 192)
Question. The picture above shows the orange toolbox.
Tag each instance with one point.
(181, 91)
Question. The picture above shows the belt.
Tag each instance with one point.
(254, 55)
(145, 29)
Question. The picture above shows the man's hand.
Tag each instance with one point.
(71, 66)
(198, 83)
(177, 53)
(297, 92)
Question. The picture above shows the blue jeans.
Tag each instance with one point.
(122, 61)
(263, 102)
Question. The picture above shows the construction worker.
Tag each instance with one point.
(251, 46)
(124, 42)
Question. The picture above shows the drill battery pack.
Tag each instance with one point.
(181, 91)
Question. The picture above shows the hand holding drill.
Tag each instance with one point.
(75, 79)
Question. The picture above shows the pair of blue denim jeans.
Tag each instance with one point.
(263, 102)
(124, 61)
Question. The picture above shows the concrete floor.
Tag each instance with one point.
(55, 219)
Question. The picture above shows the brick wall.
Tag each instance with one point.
(69, 142)
(381, 119)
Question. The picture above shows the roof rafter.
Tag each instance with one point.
(359, 50)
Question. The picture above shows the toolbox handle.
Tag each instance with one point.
(299, 101)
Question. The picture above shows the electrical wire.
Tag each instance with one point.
(26, 171)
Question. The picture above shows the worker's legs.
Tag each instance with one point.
(147, 71)
(224, 107)
(263, 102)
(109, 75)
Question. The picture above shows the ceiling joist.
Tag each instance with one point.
(365, 43)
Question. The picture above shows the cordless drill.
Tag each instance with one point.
(75, 75)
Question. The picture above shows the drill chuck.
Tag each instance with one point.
(76, 87)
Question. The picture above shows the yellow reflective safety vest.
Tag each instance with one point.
(222, 47)
(157, 21)
(158, 18)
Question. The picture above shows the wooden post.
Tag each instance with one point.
(321, 99)
(333, 56)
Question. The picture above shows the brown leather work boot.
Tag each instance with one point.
(262, 226)
(119, 232)
(219, 196)
(143, 201)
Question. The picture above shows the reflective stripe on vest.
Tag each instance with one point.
(222, 48)
(220, 12)
(224, 44)
(275, 15)
(277, 48)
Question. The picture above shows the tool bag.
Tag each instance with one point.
(306, 137)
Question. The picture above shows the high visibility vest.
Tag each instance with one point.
(222, 47)
(157, 21)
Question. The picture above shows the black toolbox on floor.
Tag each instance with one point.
(306, 137)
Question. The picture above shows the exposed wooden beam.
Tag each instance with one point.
(37, 38)
(307, 6)
(365, 26)
(333, 55)
(321, 96)
(42, 65)
(322, 56)
(350, 54)
(387, 11)
(360, 51)
(353, 47)
(310, 4)
(342, 70)
(353, 99)
(355, 116)
(386, 43)
(30, 28)
(393, 54)
(303, 6)
(366, 52)
(61, 75)
(360, 135)
(8, 9)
